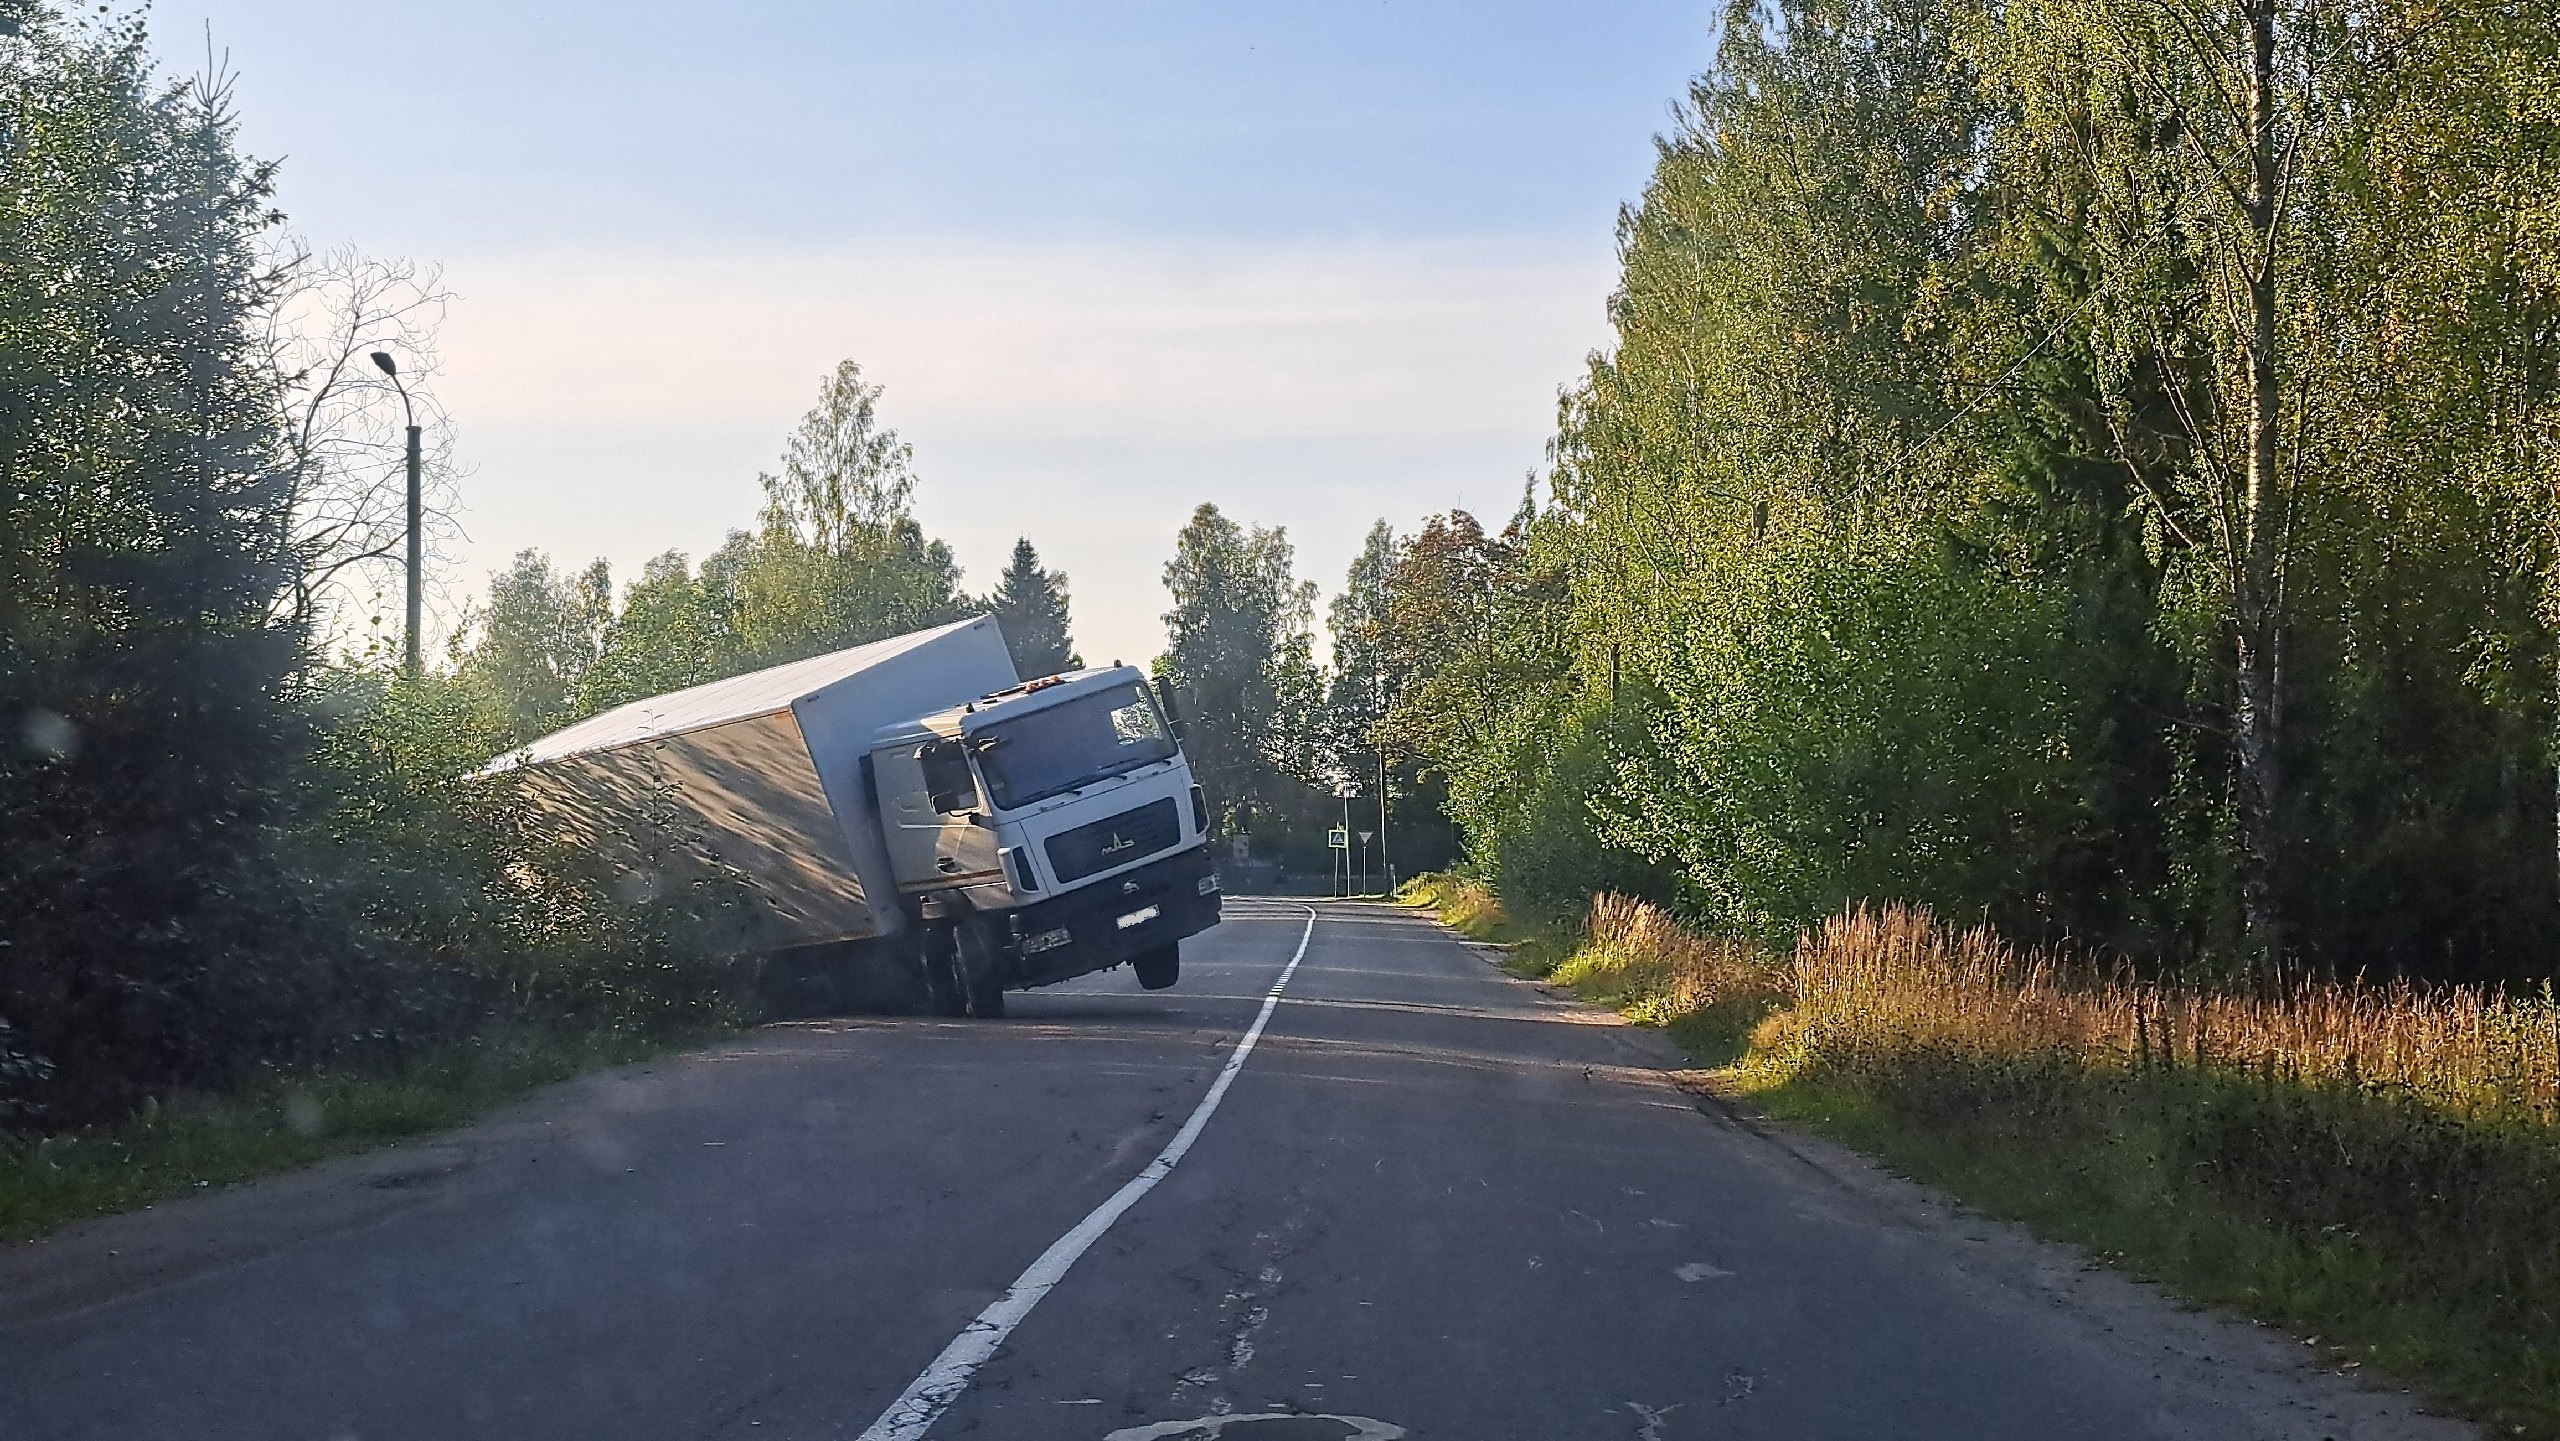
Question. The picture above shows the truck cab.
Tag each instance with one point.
(1046, 831)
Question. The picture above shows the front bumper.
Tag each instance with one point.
(1082, 931)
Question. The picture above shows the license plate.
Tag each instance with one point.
(1138, 917)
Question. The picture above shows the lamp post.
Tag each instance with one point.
(409, 634)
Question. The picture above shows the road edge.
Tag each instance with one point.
(2242, 1362)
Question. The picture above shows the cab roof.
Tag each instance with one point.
(1042, 692)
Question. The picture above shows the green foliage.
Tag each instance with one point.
(839, 559)
(1373, 661)
(2026, 484)
(1363, 685)
(534, 642)
(675, 629)
(1557, 849)
(1859, 723)
(1238, 653)
(143, 686)
(1484, 680)
(228, 862)
(1030, 605)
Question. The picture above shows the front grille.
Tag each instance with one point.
(1128, 836)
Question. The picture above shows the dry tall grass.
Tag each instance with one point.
(1883, 980)
(1467, 904)
(1659, 970)
(2376, 1164)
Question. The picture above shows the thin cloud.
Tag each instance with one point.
(1086, 394)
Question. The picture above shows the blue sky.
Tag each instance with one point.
(1319, 263)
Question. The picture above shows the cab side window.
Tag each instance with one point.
(947, 783)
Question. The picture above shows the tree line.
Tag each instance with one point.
(837, 559)
(238, 843)
(2087, 465)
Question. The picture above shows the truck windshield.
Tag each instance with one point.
(1053, 751)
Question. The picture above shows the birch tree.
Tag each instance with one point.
(2190, 123)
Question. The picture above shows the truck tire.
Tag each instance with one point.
(942, 992)
(978, 970)
(1159, 968)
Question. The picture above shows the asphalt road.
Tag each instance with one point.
(1433, 1202)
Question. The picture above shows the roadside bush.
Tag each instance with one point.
(446, 881)
(1851, 721)
(1554, 851)
(1467, 903)
(1649, 965)
(389, 908)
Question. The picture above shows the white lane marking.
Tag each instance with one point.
(1698, 1271)
(925, 1398)
(1652, 1419)
(1362, 1427)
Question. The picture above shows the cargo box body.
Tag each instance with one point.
(761, 776)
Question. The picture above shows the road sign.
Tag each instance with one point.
(1338, 838)
(1364, 836)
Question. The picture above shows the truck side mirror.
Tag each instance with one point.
(1172, 713)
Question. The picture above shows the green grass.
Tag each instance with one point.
(51, 1182)
(1468, 906)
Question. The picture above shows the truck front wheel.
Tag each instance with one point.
(943, 993)
(978, 969)
(1160, 967)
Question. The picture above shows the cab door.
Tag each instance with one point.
(940, 834)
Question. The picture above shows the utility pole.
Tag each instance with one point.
(1386, 867)
(409, 660)
(1347, 788)
(417, 561)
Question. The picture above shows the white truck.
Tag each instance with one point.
(905, 816)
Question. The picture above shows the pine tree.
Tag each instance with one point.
(1237, 647)
(144, 734)
(1031, 606)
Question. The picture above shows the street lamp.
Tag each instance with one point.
(409, 636)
